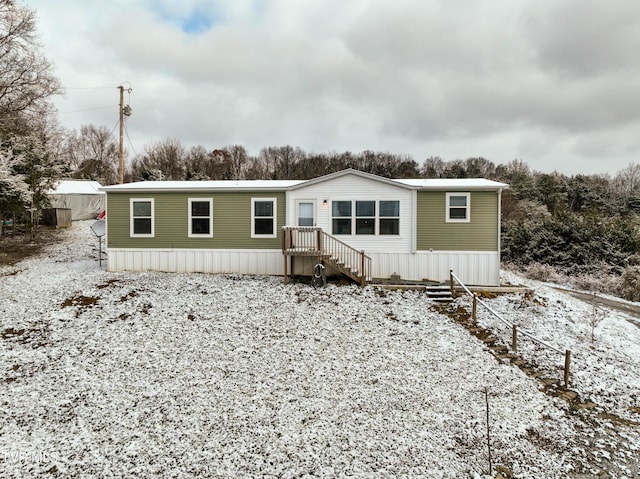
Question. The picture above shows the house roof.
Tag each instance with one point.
(456, 184)
(76, 187)
(220, 185)
(349, 172)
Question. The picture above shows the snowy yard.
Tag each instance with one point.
(192, 375)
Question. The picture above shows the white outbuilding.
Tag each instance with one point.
(82, 197)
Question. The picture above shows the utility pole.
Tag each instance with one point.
(121, 147)
(124, 111)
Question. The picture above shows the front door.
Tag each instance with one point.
(306, 213)
(306, 217)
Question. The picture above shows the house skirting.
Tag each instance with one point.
(251, 261)
(472, 267)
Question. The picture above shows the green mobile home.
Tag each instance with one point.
(416, 229)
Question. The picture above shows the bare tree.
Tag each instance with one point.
(628, 179)
(238, 161)
(30, 164)
(93, 154)
(432, 167)
(26, 76)
(215, 165)
(480, 168)
(280, 162)
(627, 185)
(198, 164)
(164, 160)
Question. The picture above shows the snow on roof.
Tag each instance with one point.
(274, 185)
(454, 183)
(77, 187)
(204, 185)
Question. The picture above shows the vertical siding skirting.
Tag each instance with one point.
(196, 261)
(472, 267)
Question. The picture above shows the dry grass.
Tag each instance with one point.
(16, 247)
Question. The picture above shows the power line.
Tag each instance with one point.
(114, 128)
(88, 87)
(126, 130)
(87, 109)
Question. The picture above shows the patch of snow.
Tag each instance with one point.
(183, 375)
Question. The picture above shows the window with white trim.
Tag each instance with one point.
(263, 217)
(389, 217)
(141, 217)
(365, 217)
(200, 218)
(458, 208)
(341, 217)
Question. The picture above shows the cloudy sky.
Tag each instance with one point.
(553, 83)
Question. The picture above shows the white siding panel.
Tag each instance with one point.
(201, 261)
(353, 187)
(472, 267)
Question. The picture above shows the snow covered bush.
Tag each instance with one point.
(541, 272)
(630, 283)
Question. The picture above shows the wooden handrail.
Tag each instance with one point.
(314, 241)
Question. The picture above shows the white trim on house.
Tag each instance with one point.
(459, 207)
(273, 217)
(353, 173)
(499, 226)
(133, 218)
(209, 217)
(414, 221)
(363, 223)
(314, 212)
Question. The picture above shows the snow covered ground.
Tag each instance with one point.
(192, 375)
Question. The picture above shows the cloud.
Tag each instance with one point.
(584, 38)
(511, 78)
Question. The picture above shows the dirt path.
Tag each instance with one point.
(621, 306)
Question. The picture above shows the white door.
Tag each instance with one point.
(306, 216)
(306, 213)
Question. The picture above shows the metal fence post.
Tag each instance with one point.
(474, 308)
(453, 294)
(567, 364)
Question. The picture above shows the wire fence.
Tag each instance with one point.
(516, 331)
